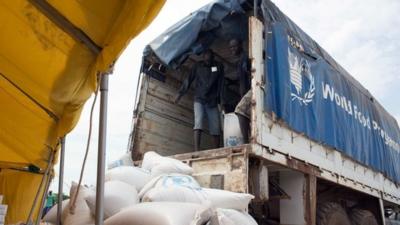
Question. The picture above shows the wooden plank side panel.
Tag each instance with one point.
(163, 126)
(139, 108)
(167, 93)
(165, 146)
(169, 110)
(174, 130)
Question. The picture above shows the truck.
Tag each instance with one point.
(322, 150)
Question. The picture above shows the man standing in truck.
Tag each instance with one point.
(207, 76)
(242, 109)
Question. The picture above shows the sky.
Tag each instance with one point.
(363, 36)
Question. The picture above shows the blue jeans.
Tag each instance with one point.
(212, 113)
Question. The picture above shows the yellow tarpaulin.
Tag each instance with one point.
(14, 184)
(50, 53)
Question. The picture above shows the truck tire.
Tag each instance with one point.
(362, 217)
(331, 213)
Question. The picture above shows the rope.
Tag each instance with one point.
(73, 203)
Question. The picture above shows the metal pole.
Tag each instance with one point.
(49, 165)
(61, 181)
(43, 200)
(102, 149)
(28, 220)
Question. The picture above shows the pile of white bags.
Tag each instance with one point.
(161, 192)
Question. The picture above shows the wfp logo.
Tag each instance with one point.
(301, 79)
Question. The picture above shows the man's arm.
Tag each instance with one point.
(245, 76)
(186, 85)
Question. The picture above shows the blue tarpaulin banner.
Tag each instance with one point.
(313, 97)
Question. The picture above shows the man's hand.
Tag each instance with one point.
(177, 98)
(221, 109)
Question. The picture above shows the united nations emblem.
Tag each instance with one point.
(301, 79)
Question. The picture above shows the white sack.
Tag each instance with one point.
(175, 194)
(220, 219)
(170, 167)
(162, 213)
(51, 215)
(170, 181)
(134, 176)
(124, 160)
(117, 195)
(232, 217)
(82, 215)
(217, 198)
(227, 199)
(158, 165)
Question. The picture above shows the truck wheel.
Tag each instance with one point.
(362, 217)
(331, 213)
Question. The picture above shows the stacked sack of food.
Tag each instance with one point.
(161, 192)
(3, 211)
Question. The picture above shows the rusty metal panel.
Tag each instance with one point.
(217, 181)
(256, 43)
(227, 165)
(258, 179)
(233, 169)
(310, 199)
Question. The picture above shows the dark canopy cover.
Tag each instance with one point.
(195, 32)
(306, 87)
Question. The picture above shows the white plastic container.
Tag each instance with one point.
(232, 133)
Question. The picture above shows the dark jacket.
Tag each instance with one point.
(243, 68)
(208, 81)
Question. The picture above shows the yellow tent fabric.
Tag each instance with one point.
(13, 182)
(48, 68)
